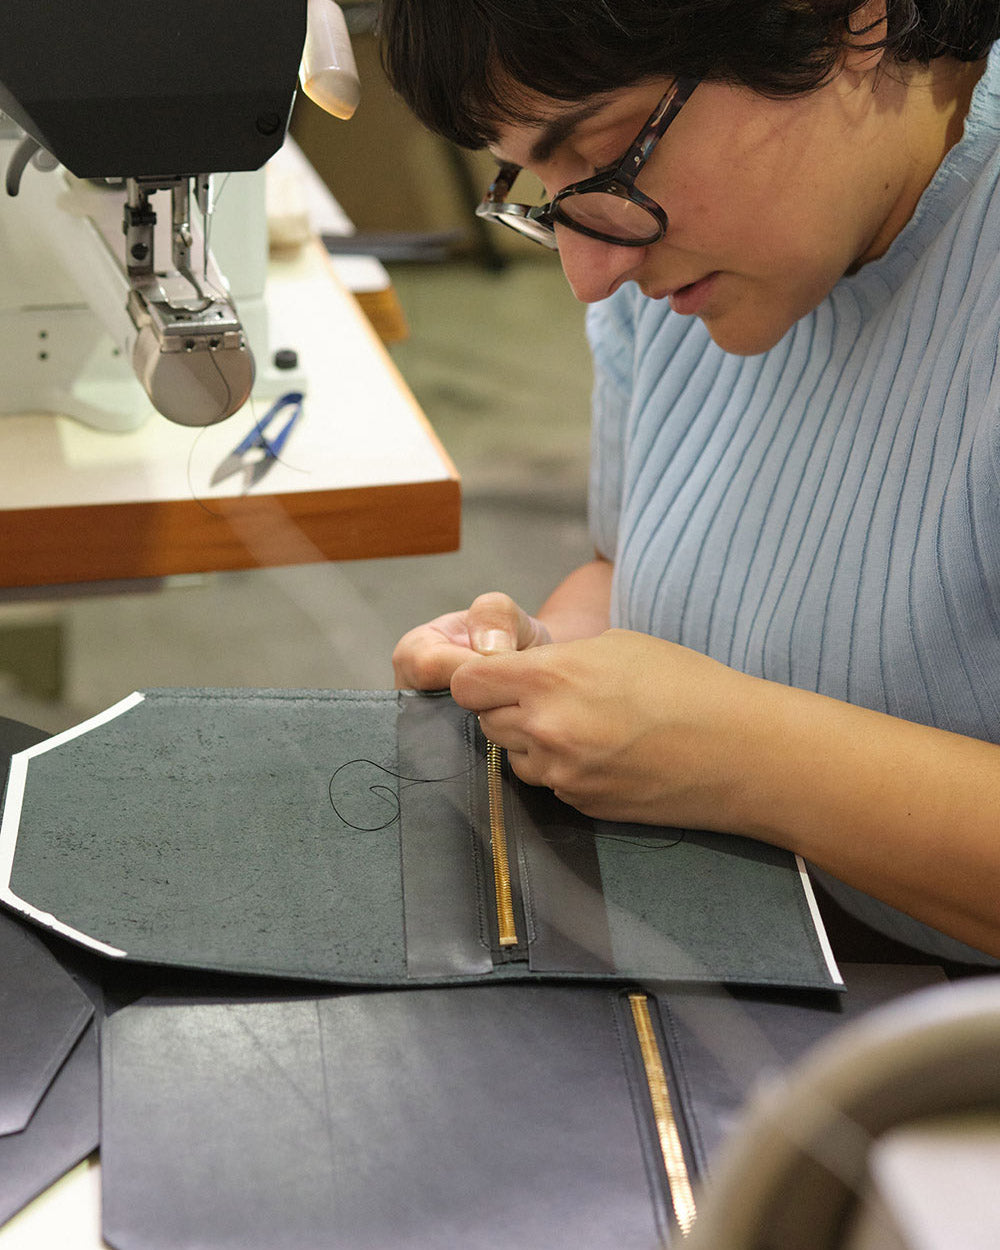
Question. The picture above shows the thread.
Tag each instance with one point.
(388, 794)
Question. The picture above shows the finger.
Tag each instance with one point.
(428, 667)
(497, 624)
(494, 623)
(525, 768)
(486, 682)
(534, 769)
(503, 726)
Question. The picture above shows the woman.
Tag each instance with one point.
(786, 216)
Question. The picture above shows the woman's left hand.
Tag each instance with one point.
(622, 726)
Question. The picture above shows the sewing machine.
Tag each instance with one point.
(123, 253)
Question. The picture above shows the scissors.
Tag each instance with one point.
(254, 468)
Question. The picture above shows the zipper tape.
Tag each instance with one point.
(667, 1134)
(499, 848)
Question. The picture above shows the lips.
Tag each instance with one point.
(689, 300)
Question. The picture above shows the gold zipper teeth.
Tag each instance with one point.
(681, 1194)
(498, 841)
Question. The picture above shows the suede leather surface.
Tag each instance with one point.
(344, 836)
(198, 830)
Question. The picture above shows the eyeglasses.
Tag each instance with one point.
(607, 206)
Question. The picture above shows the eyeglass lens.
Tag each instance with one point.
(606, 214)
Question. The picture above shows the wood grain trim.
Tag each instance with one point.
(52, 546)
(385, 312)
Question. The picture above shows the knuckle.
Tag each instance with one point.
(562, 778)
(548, 737)
(457, 686)
(421, 673)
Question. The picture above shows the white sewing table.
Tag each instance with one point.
(361, 475)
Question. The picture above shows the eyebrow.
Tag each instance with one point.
(559, 129)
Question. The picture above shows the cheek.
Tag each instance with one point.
(787, 239)
(716, 213)
(746, 195)
(781, 239)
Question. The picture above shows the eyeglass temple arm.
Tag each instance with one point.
(499, 188)
(660, 119)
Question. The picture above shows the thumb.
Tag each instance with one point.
(497, 624)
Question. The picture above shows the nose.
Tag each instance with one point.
(594, 269)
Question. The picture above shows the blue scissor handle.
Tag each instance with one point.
(257, 437)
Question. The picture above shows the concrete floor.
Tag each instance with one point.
(499, 363)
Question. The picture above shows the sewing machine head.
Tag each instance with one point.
(143, 102)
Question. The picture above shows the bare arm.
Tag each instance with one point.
(580, 607)
(907, 813)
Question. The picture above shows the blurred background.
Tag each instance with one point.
(495, 355)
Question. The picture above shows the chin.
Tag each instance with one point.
(758, 317)
(742, 339)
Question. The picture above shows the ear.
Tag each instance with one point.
(865, 26)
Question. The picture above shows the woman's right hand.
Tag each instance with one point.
(426, 657)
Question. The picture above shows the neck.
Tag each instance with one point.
(929, 105)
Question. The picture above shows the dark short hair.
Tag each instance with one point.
(453, 60)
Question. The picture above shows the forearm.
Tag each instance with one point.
(904, 812)
(580, 606)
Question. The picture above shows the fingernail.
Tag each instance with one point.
(490, 641)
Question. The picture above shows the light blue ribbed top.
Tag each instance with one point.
(826, 514)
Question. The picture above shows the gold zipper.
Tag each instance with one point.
(681, 1195)
(498, 841)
